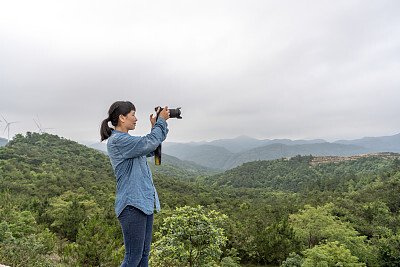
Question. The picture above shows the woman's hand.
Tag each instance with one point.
(163, 114)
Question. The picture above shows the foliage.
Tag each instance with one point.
(389, 251)
(90, 248)
(191, 237)
(22, 242)
(294, 260)
(67, 211)
(276, 241)
(45, 165)
(231, 260)
(317, 225)
(330, 254)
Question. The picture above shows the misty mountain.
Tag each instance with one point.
(206, 155)
(378, 144)
(226, 154)
(182, 169)
(3, 142)
(243, 143)
(217, 157)
(100, 146)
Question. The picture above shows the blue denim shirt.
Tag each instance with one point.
(128, 156)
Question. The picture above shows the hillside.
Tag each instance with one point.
(52, 165)
(334, 159)
(67, 165)
(298, 173)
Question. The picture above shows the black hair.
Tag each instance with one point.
(116, 109)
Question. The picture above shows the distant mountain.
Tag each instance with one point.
(276, 151)
(225, 154)
(184, 170)
(206, 155)
(100, 146)
(243, 143)
(378, 144)
(229, 153)
(239, 144)
(220, 158)
(3, 142)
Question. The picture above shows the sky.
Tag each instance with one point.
(266, 69)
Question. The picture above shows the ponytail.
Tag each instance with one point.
(116, 109)
(105, 130)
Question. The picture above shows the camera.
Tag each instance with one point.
(173, 112)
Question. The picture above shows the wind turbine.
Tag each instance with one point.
(8, 127)
(39, 125)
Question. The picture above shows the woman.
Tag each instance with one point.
(136, 194)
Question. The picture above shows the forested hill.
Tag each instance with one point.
(302, 172)
(56, 164)
(51, 165)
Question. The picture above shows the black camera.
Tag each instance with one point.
(173, 112)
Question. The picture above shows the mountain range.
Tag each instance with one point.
(226, 154)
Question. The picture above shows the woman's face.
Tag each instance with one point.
(130, 120)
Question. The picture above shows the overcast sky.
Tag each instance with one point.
(266, 69)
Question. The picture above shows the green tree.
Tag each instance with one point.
(22, 241)
(276, 241)
(97, 244)
(294, 260)
(330, 254)
(316, 225)
(191, 237)
(389, 251)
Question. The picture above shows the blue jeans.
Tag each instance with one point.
(137, 228)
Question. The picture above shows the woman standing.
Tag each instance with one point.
(136, 195)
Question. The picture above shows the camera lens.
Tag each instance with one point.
(175, 113)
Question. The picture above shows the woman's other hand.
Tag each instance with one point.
(163, 114)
